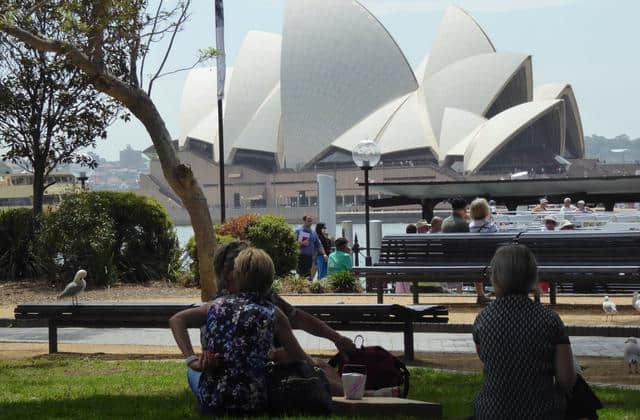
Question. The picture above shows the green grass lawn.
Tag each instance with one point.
(66, 388)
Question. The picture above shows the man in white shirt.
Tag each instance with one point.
(582, 207)
(567, 206)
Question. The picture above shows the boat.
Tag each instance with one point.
(16, 189)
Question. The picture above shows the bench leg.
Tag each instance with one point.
(408, 341)
(416, 295)
(552, 292)
(53, 336)
(380, 290)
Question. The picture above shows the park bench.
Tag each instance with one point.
(385, 318)
(584, 258)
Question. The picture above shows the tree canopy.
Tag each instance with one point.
(48, 109)
(109, 40)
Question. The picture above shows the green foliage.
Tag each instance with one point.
(49, 111)
(344, 282)
(191, 249)
(273, 234)
(146, 245)
(276, 286)
(83, 235)
(21, 256)
(292, 284)
(320, 286)
(114, 236)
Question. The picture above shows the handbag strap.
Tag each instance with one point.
(405, 377)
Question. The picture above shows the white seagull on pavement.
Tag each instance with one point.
(74, 288)
(609, 308)
(635, 301)
(632, 353)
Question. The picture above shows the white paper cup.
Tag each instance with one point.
(353, 385)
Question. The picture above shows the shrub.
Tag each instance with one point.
(191, 249)
(293, 284)
(269, 232)
(273, 234)
(344, 282)
(277, 285)
(185, 278)
(83, 236)
(237, 227)
(114, 236)
(20, 254)
(146, 244)
(320, 286)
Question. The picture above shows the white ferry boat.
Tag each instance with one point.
(16, 190)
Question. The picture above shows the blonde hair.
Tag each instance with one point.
(514, 270)
(253, 271)
(479, 209)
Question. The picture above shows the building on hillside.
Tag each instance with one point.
(132, 159)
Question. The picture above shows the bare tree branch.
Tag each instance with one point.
(183, 17)
(146, 47)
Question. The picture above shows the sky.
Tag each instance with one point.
(592, 44)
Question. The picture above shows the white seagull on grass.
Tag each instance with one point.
(609, 308)
(74, 288)
(632, 353)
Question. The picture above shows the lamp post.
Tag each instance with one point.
(366, 156)
(83, 178)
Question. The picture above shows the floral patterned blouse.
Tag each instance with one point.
(239, 328)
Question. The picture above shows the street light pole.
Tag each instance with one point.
(221, 162)
(367, 260)
(366, 156)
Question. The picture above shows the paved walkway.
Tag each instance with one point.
(425, 342)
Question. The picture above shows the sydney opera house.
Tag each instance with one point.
(296, 104)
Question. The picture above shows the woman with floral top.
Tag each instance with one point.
(229, 377)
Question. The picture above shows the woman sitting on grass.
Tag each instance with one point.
(528, 365)
(229, 378)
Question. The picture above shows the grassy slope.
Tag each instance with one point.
(65, 388)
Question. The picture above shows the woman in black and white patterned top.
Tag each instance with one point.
(528, 365)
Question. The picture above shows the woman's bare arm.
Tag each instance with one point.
(287, 339)
(189, 318)
(564, 370)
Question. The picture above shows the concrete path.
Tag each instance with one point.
(425, 342)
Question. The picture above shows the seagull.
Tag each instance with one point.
(632, 353)
(635, 301)
(609, 308)
(74, 288)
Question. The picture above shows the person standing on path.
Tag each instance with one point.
(308, 241)
(321, 261)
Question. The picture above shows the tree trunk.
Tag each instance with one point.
(38, 190)
(185, 185)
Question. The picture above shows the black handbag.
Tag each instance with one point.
(582, 403)
(297, 388)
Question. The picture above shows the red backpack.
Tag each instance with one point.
(383, 368)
